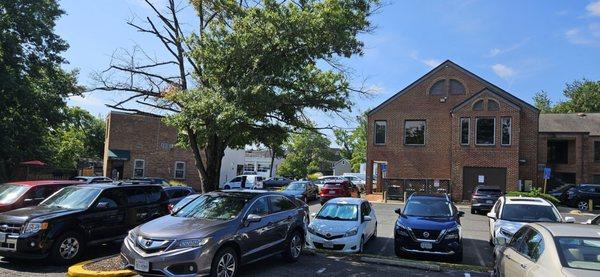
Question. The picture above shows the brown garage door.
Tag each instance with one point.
(488, 176)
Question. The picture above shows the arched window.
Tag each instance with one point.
(493, 105)
(456, 87)
(438, 88)
(478, 105)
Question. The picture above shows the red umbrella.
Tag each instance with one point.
(33, 163)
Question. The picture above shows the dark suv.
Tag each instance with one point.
(63, 225)
(483, 198)
(216, 233)
(580, 196)
(429, 224)
(16, 195)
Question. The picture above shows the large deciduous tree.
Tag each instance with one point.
(353, 142)
(32, 84)
(581, 96)
(306, 153)
(250, 68)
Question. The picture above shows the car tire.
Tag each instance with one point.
(582, 205)
(361, 245)
(225, 259)
(67, 248)
(226, 187)
(293, 247)
(399, 253)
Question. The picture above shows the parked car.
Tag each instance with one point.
(217, 233)
(343, 224)
(77, 217)
(429, 224)
(338, 188)
(93, 179)
(244, 182)
(304, 190)
(549, 249)
(150, 180)
(186, 200)
(560, 193)
(16, 195)
(483, 198)
(360, 183)
(511, 212)
(579, 196)
(275, 183)
(176, 194)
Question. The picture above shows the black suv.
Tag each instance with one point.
(483, 198)
(580, 196)
(66, 223)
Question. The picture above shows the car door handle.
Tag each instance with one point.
(508, 257)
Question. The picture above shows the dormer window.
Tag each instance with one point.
(493, 105)
(438, 88)
(478, 105)
(456, 87)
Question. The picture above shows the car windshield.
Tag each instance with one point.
(338, 211)
(581, 253)
(529, 213)
(9, 193)
(220, 207)
(72, 198)
(428, 207)
(296, 186)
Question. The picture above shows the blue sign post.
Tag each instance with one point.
(547, 174)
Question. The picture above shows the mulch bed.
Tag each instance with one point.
(110, 264)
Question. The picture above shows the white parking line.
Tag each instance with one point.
(478, 254)
(382, 251)
(321, 270)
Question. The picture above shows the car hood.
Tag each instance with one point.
(39, 213)
(170, 227)
(428, 223)
(333, 227)
(511, 226)
(574, 272)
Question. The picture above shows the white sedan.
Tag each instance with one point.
(344, 225)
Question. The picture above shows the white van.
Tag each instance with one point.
(244, 182)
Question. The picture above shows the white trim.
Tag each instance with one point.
(143, 167)
(509, 131)
(460, 137)
(175, 170)
(476, 131)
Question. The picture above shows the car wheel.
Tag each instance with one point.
(473, 211)
(582, 205)
(293, 247)
(226, 187)
(225, 263)
(361, 245)
(67, 248)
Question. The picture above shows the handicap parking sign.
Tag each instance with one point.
(547, 172)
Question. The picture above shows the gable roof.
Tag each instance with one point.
(570, 123)
(446, 63)
(480, 94)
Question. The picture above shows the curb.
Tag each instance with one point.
(402, 263)
(77, 270)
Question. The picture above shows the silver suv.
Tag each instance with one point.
(216, 233)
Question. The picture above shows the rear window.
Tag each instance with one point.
(333, 184)
(581, 253)
(529, 213)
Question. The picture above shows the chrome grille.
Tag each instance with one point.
(11, 228)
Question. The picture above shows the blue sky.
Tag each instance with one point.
(521, 46)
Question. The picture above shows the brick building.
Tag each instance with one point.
(452, 130)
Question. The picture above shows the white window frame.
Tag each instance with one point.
(477, 131)
(375, 132)
(175, 170)
(460, 137)
(143, 167)
(509, 131)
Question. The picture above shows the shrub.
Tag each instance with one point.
(536, 192)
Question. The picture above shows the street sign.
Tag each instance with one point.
(383, 167)
(547, 172)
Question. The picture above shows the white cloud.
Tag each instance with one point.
(497, 51)
(503, 71)
(584, 36)
(87, 101)
(593, 8)
(428, 62)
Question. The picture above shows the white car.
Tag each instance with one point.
(244, 181)
(343, 224)
(93, 179)
(511, 212)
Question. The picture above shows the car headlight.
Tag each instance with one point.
(351, 232)
(453, 233)
(34, 227)
(191, 243)
(506, 232)
(132, 235)
(311, 229)
(402, 229)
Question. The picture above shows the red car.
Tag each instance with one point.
(16, 195)
(338, 188)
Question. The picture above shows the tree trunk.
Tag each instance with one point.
(272, 161)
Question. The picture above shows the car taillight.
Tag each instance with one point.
(324, 191)
(170, 208)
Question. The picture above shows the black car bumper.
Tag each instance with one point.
(441, 248)
(482, 206)
(25, 246)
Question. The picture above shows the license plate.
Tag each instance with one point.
(332, 192)
(142, 265)
(426, 245)
(328, 244)
(489, 201)
(2, 237)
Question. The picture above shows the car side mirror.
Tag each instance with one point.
(398, 211)
(253, 218)
(491, 215)
(461, 213)
(367, 218)
(313, 215)
(500, 241)
(102, 205)
(570, 219)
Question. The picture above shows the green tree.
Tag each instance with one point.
(249, 68)
(343, 139)
(306, 153)
(582, 96)
(32, 84)
(359, 137)
(542, 102)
